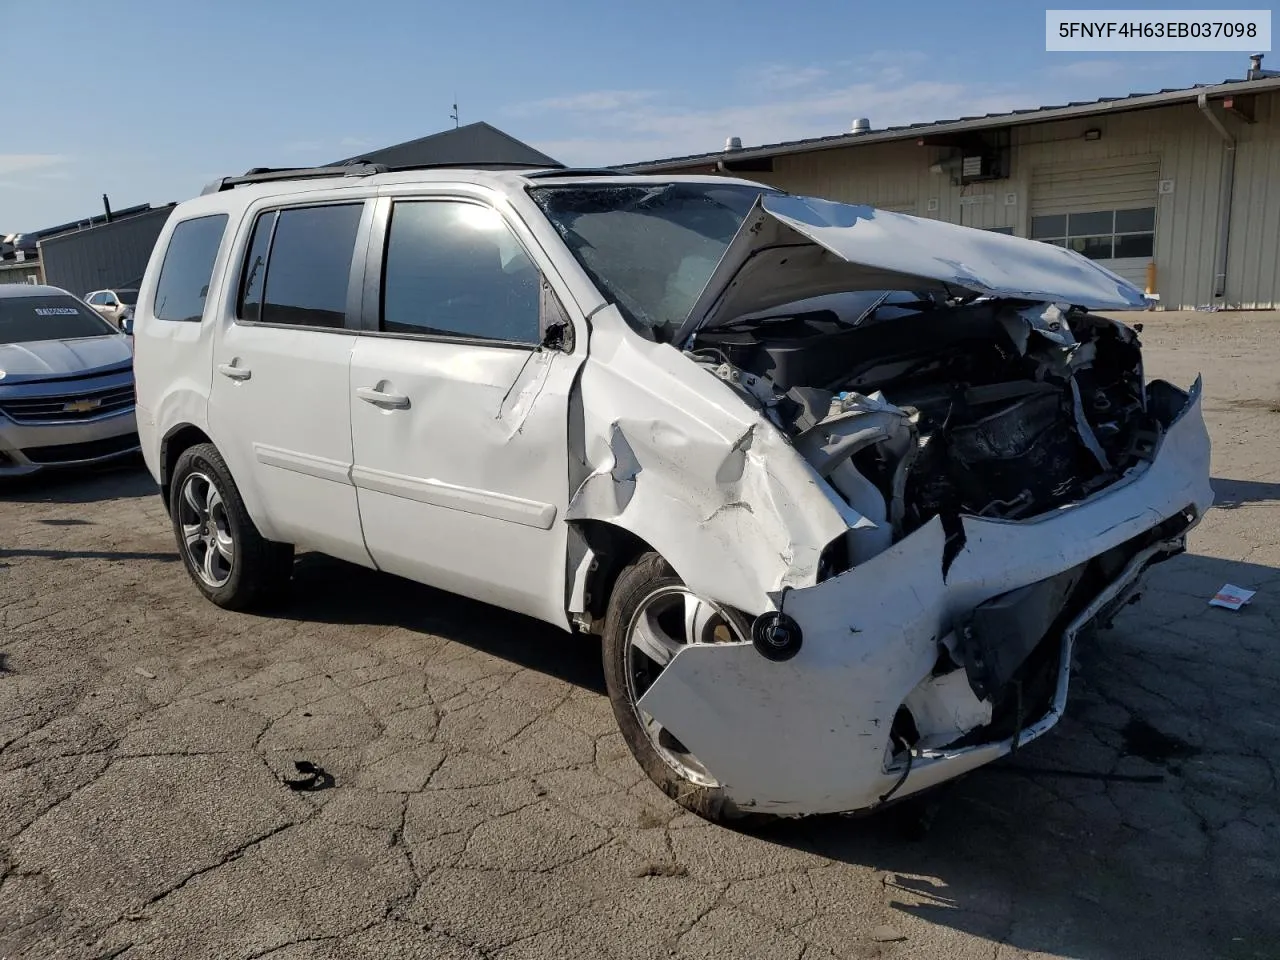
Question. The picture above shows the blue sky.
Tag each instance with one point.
(148, 100)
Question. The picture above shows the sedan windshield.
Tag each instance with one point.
(29, 319)
(649, 247)
(128, 297)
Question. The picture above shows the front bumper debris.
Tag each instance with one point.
(812, 734)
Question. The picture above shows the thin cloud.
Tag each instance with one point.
(591, 101)
(659, 128)
(1091, 70)
(11, 163)
(778, 76)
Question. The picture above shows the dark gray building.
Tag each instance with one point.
(107, 255)
(476, 143)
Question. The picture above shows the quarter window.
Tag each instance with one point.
(1101, 235)
(298, 267)
(455, 269)
(187, 268)
(255, 268)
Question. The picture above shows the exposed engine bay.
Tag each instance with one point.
(919, 408)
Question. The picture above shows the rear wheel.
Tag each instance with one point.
(652, 616)
(230, 562)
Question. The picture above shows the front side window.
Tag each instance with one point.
(1101, 235)
(298, 267)
(455, 269)
(52, 317)
(187, 268)
(649, 247)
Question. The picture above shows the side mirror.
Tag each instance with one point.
(558, 336)
(557, 328)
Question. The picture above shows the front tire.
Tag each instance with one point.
(229, 561)
(652, 615)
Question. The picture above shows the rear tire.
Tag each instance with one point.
(648, 600)
(229, 561)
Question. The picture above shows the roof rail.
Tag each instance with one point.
(365, 168)
(578, 172)
(269, 174)
(470, 165)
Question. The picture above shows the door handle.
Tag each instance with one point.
(234, 372)
(387, 401)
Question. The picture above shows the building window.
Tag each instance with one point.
(1101, 235)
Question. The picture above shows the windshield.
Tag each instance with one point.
(128, 297)
(29, 319)
(649, 247)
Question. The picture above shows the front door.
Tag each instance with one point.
(458, 416)
(278, 406)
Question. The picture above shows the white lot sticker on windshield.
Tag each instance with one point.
(57, 312)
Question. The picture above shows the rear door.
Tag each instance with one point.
(459, 418)
(278, 404)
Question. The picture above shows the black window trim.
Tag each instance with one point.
(213, 267)
(375, 268)
(355, 281)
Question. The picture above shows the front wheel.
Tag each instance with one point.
(230, 562)
(652, 616)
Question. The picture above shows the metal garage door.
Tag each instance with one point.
(1106, 210)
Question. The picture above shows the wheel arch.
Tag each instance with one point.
(177, 440)
(598, 552)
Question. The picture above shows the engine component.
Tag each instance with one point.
(995, 408)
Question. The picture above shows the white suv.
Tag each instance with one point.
(838, 487)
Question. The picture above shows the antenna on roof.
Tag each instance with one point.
(454, 116)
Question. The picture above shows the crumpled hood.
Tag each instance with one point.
(791, 248)
(49, 358)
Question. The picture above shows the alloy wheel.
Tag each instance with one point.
(664, 623)
(207, 539)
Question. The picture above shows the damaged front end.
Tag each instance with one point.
(937, 655)
(1009, 476)
(940, 469)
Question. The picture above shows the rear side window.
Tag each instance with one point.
(188, 268)
(298, 267)
(455, 269)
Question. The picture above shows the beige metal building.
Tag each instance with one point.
(1187, 180)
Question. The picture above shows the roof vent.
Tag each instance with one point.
(733, 143)
(862, 125)
(1255, 69)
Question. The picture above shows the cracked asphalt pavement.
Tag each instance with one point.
(380, 770)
